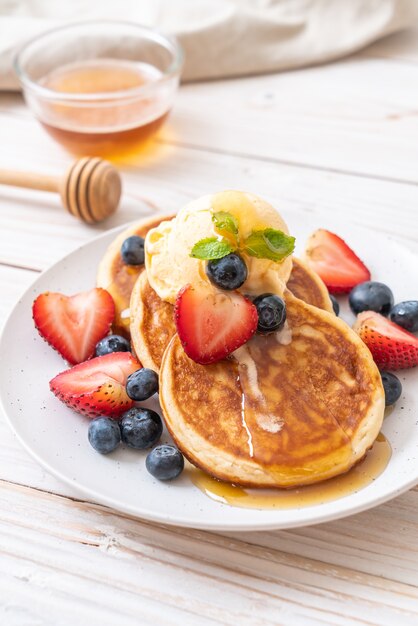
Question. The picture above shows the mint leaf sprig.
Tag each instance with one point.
(267, 243)
(211, 248)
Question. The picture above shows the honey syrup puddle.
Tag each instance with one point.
(357, 478)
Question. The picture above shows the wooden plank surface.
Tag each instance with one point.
(335, 139)
(168, 177)
(228, 580)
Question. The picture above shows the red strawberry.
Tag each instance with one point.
(337, 265)
(74, 324)
(97, 387)
(391, 346)
(212, 324)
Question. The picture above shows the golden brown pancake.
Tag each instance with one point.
(117, 277)
(279, 414)
(152, 323)
(306, 285)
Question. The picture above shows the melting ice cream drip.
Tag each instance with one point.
(243, 419)
(248, 375)
(284, 336)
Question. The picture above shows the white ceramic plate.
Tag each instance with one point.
(57, 437)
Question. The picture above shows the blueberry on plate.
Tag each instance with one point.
(140, 428)
(132, 250)
(142, 384)
(112, 343)
(271, 311)
(165, 462)
(104, 434)
(335, 304)
(230, 272)
(371, 296)
(392, 386)
(405, 314)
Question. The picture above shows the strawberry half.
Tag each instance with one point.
(391, 346)
(97, 387)
(212, 324)
(74, 324)
(335, 262)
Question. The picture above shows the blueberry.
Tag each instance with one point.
(132, 250)
(335, 304)
(112, 343)
(141, 428)
(405, 314)
(271, 312)
(142, 384)
(165, 462)
(104, 434)
(392, 386)
(371, 296)
(230, 272)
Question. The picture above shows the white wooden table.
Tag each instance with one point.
(336, 139)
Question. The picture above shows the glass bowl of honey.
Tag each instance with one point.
(100, 88)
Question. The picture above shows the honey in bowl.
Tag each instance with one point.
(119, 113)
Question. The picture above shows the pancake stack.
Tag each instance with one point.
(289, 409)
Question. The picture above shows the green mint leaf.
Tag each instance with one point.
(210, 249)
(269, 244)
(225, 221)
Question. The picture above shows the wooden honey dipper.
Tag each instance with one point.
(90, 190)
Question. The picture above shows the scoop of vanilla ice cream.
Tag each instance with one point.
(167, 247)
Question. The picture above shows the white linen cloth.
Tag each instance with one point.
(222, 38)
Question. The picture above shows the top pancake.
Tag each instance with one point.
(277, 415)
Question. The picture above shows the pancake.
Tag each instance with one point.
(152, 323)
(306, 285)
(277, 414)
(118, 278)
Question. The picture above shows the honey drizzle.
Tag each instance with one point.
(356, 479)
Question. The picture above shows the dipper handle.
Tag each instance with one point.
(30, 180)
(90, 190)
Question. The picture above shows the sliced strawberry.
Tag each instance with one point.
(212, 324)
(74, 324)
(337, 265)
(391, 346)
(97, 387)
